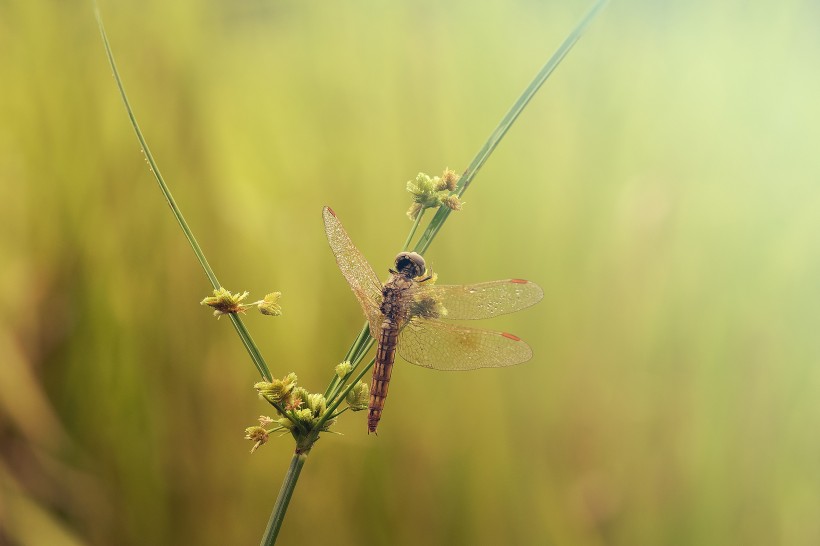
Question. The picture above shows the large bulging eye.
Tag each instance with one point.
(410, 262)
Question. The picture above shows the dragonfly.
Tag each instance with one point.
(408, 313)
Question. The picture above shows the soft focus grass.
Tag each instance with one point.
(663, 189)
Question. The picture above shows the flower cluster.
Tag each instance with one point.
(259, 434)
(358, 397)
(302, 413)
(429, 192)
(270, 305)
(223, 302)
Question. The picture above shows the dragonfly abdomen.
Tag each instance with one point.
(382, 369)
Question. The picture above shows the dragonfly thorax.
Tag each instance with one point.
(410, 265)
(408, 316)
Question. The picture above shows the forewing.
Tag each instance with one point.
(443, 346)
(484, 300)
(357, 272)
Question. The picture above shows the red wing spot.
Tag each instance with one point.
(330, 210)
(519, 281)
(510, 336)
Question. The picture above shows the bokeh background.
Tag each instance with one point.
(663, 188)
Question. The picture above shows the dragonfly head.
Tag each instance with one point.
(410, 265)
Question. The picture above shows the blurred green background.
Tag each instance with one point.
(663, 188)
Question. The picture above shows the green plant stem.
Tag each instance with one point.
(355, 347)
(153, 165)
(363, 349)
(506, 122)
(338, 413)
(413, 229)
(282, 501)
(338, 400)
(251, 347)
(244, 335)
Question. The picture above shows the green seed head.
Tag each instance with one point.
(278, 390)
(270, 305)
(358, 397)
(343, 369)
(223, 302)
(452, 202)
(256, 434)
(317, 404)
(414, 211)
(298, 398)
(450, 179)
(429, 192)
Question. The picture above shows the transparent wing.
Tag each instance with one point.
(483, 300)
(357, 272)
(443, 346)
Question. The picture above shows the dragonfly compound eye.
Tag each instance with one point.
(411, 264)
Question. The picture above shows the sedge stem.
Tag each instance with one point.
(413, 230)
(282, 501)
(243, 333)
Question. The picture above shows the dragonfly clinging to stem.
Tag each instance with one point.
(406, 315)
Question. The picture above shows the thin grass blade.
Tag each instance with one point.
(466, 179)
(244, 335)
